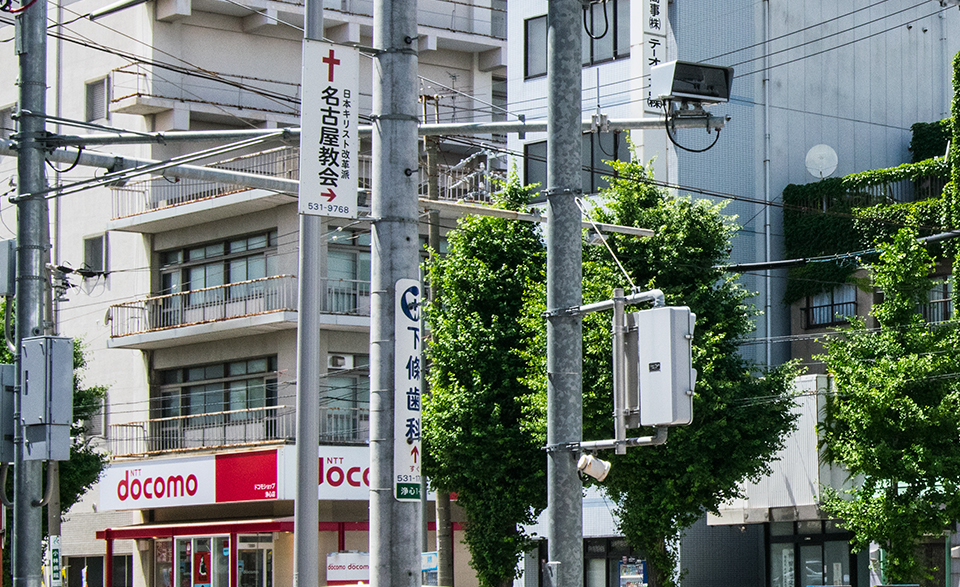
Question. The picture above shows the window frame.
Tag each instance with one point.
(95, 263)
(527, 24)
(615, 21)
(93, 111)
(173, 399)
(835, 307)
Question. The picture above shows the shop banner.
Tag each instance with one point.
(247, 476)
(348, 568)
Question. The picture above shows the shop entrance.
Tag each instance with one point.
(255, 560)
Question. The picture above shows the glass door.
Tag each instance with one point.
(203, 562)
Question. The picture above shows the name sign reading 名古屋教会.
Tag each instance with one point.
(328, 138)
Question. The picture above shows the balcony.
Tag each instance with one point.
(237, 309)
(233, 428)
(138, 88)
(937, 311)
(158, 204)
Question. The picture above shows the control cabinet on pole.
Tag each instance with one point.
(665, 365)
(46, 397)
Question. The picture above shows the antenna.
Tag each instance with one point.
(821, 161)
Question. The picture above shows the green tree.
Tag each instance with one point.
(894, 419)
(739, 419)
(474, 421)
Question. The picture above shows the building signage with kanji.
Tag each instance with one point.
(407, 385)
(328, 140)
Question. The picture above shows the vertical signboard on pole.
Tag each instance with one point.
(654, 17)
(56, 572)
(329, 143)
(407, 386)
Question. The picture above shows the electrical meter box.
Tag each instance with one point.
(665, 367)
(46, 397)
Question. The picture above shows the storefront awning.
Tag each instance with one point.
(212, 527)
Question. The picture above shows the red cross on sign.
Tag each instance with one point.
(331, 61)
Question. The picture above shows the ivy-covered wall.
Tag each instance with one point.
(844, 215)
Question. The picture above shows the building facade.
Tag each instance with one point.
(186, 291)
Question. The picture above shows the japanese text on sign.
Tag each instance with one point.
(328, 140)
(407, 385)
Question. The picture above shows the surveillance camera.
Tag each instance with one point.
(596, 468)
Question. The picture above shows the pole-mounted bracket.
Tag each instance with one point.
(562, 447)
(562, 312)
(560, 192)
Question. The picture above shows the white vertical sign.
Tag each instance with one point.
(654, 50)
(407, 387)
(329, 141)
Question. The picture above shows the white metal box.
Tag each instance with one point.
(665, 366)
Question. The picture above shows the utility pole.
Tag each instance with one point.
(564, 291)
(395, 540)
(32, 249)
(306, 547)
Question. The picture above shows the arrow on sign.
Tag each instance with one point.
(329, 194)
(415, 452)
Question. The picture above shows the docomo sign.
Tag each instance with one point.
(159, 483)
(156, 487)
(344, 472)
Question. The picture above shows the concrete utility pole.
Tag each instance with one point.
(31, 47)
(306, 547)
(394, 525)
(564, 291)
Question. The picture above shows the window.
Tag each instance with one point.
(939, 306)
(96, 96)
(615, 28)
(243, 389)
(610, 21)
(345, 399)
(831, 307)
(348, 273)
(94, 255)
(808, 553)
(535, 47)
(596, 150)
(211, 265)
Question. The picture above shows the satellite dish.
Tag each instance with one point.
(821, 161)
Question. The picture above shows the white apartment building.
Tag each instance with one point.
(188, 300)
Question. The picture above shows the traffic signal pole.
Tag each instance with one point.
(564, 291)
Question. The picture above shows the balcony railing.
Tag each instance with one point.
(465, 182)
(235, 300)
(150, 195)
(476, 17)
(201, 431)
(211, 304)
(232, 428)
(254, 97)
(828, 314)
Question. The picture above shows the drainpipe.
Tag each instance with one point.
(768, 302)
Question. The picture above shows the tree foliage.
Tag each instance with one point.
(473, 421)
(486, 421)
(739, 419)
(894, 419)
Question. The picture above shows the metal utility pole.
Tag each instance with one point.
(31, 47)
(394, 525)
(564, 291)
(306, 547)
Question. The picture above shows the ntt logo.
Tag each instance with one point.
(156, 487)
